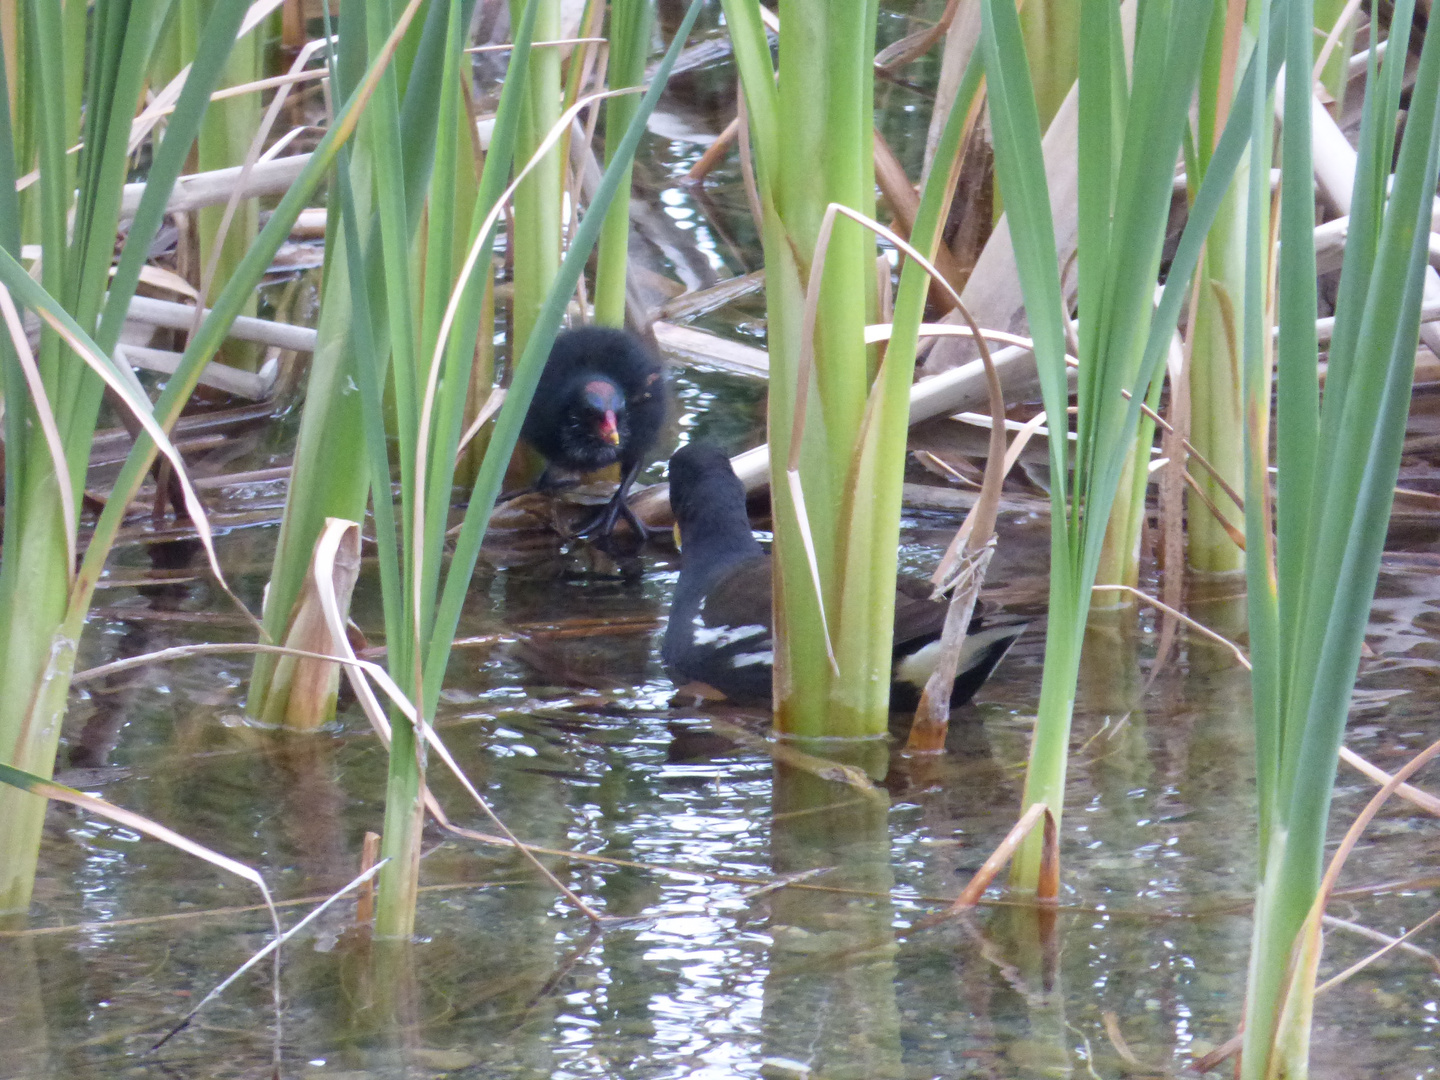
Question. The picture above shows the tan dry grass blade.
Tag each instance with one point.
(160, 278)
(41, 401)
(313, 683)
(181, 652)
(356, 670)
(1360, 965)
(164, 102)
(252, 155)
(1293, 1025)
(106, 369)
(1198, 627)
(1423, 799)
(487, 410)
(48, 789)
(506, 46)
(1332, 39)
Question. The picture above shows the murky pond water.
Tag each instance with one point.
(682, 825)
(711, 974)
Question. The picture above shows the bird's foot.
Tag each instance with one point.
(601, 528)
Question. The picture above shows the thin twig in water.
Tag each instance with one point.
(271, 946)
(1198, 627)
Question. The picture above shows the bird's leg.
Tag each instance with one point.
(604, 523)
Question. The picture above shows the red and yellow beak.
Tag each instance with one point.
(608, 431)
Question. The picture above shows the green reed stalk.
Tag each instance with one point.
(870, 538)
(1052, 34)
(422, 600)
(1120, 553)
(327, 478)
(78, 215)
(1217, 419)
(631, 24)
(33, 702)
(1337, 459)
(823, 105)
(400, 843)
(1131, 131)
(535, 236)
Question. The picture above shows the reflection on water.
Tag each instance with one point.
(708, 973)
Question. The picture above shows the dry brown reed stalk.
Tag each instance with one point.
(747, 163)
(714, 153)
(962, 569)
(369, 856)
(970, 896)
(913, 46)
(252, 155)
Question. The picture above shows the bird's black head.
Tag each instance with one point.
(707, 497)
(595, 423)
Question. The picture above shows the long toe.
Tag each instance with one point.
(602, 525)
(643, 531)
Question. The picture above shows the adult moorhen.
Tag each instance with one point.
(601, 400)
(719, 633)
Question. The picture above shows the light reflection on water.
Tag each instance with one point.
(709, 974)
(716, 977)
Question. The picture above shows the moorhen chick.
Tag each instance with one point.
(600, 401)
(719, 633)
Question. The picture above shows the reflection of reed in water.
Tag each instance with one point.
(115, 698)
(829, 1000)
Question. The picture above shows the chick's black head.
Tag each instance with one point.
(594, 423)
(600, 399)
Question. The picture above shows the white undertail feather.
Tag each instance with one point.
(917, 668)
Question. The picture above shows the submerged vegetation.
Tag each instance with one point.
(1189, 246)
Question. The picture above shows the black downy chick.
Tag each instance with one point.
(601, 400)
(720, 627)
